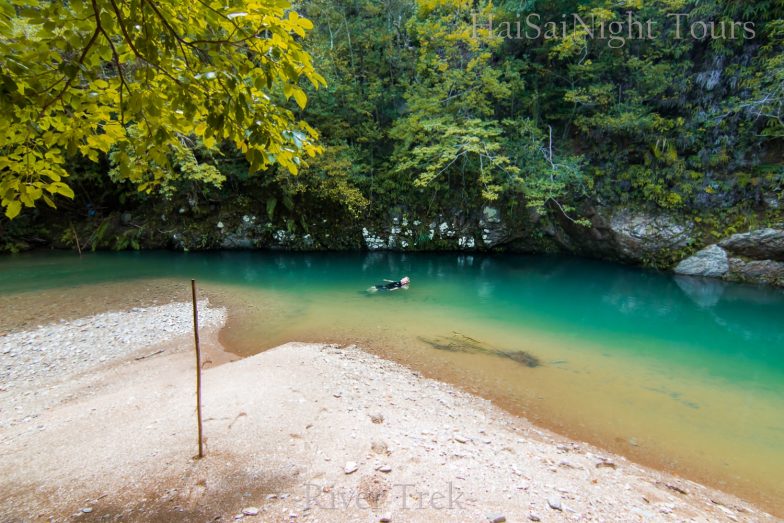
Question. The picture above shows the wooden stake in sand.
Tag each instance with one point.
(198, 363)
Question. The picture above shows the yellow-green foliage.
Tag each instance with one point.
(423, 111)
(142, 78)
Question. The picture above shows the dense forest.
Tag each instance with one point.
(429, 115)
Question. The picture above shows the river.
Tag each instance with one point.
(681, 374)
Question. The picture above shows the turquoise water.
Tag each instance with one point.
(680, 373)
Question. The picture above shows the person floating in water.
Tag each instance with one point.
(392, 285)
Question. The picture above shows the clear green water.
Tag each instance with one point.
(679, 373)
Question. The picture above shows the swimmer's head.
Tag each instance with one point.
(405, 280)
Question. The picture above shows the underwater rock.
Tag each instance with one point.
(461, 343)
(520, 357)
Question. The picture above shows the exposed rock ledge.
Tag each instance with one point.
(624, 235)
(752, 257)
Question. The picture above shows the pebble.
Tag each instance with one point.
(555, 503)
(385, 468)
(350, 467)
(250, 511)
(87, 510)
(534, 517)
(67, 347)
(500, 518)
(386, 518)
(460, 438)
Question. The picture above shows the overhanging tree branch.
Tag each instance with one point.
(68, 83)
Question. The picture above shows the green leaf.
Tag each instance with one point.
(49, 201)
(300, 97)
(13, 209)
(61, 188)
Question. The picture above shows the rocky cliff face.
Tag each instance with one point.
(661, 240)
(618, 234)
(639, 237)
(624, 235)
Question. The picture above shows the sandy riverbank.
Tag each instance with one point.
(303, 432)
